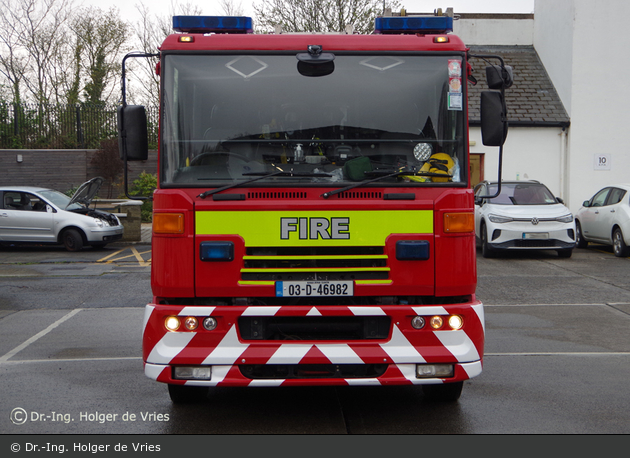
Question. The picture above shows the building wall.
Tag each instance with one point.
(62, 169)
(588, 66)
(495, 29)
(529, 153)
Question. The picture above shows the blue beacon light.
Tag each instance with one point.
(212, 24)
(414, 24)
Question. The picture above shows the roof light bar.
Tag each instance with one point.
(414, 24)
(212, 24)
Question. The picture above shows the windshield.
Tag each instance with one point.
(522, 194)
(227, 118)
(59, 199)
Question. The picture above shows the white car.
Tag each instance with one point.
(39, 215)
(605, 218)
(524, 216)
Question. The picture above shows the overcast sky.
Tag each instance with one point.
(211, 7)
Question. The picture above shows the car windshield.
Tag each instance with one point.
(522, 194)
(59, 199)
(228, 118)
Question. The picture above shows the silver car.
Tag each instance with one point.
(39, 215)
(605, 219)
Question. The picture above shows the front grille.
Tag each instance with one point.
(310, 371)
(316, 328)
(314, 263)
(276, 195)
(535, 243)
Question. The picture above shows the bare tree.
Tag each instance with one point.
(320, 15)
(231, 9)
(151, 31)
(32, 34)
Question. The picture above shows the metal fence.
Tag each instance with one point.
(35, 126)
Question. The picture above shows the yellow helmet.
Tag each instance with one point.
(440, 163)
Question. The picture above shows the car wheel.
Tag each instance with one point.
(566, 253)
(619, 245)
(486, 251)
(579, 236)
(446, 392)
(72, 240)
(182, 394)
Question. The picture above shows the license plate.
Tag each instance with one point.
(314, 288)
(536, 235)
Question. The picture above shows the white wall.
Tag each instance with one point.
(587, 61)
(553, 41)
(529, 153)
(506, 32)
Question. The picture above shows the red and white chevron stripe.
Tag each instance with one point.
(224, 350)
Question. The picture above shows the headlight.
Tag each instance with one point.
(98, 222)
(499, 218)
(565, 219)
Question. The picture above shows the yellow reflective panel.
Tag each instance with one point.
(314, 228)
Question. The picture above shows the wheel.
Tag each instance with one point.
(72, 240)
(486, 251)
(566, 253)
(183, 394)
(619, 245)
(446, 392)
(579, 236)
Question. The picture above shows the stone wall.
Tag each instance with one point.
(62, 169)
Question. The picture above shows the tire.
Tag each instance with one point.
(72, 240)
(579, 237)
(566, 253)
(446, 392)
(486, 251)
(619, 245)
(182, 394)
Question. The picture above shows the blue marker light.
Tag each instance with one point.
(212, 24)
(216, 251)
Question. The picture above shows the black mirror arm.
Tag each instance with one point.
(500, 172)
(123, 85)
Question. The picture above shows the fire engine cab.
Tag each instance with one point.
(313, 222)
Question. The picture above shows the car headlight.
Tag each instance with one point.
(98, 222)
(499, 219)
(565, 219)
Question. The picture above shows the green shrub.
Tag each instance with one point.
(144, 185)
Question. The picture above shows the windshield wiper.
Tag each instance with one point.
(261, 176)
(326, 195)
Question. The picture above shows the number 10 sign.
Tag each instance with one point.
(602, 161)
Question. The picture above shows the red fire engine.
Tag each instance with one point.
(313, 222)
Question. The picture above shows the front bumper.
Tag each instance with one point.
(524, 236)
(233, 359)
(105, 234)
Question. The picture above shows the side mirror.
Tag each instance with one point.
(560, 200)
(133, 140)
(586, 203)
(499, 77)
(493, 119)
(478, 201)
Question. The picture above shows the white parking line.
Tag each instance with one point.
(37, 336)
(563, 353)
(73, 360)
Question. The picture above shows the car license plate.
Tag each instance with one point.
(314, 288)
(536, 235)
